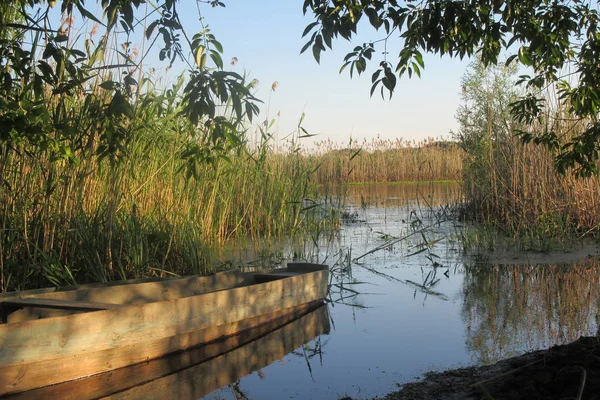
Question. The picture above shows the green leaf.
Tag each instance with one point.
(202, 61)
(344, 66)
(356, 153)
(524, 56)
(306, 46)
(218, 46)
(60, 38)
(375, 75)
(510, 60)
(317, 48)
(317, 53)
(419, 59)
(109, 85)
(374, 86)
(151, 28)
(98, 53)
(216, 57)
(199, 53)
(128, 80)
(309, 28)
(85, 13)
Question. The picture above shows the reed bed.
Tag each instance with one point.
(99, 219)
(106, 176)
(385, 160)
(515, 187)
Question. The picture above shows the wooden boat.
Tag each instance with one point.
(55, 336)
(194, 373)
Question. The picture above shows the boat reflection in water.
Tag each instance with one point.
(196, 372)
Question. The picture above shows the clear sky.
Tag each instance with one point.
(265, 35)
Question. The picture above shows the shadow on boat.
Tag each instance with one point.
(53, 336)
(196, 372)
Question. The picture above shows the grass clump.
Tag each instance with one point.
(108, 173)
(150, 212)
(513, 186)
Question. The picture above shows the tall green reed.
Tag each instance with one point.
(514, 187)
(150, 213)
(384, 160)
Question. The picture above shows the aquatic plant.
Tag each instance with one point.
(108, 170)
(514, 187)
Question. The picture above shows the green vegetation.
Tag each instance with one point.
(531, 192)
(104, 175)
(556, 41)
(98, 220)
(514, 186)
(383, 160)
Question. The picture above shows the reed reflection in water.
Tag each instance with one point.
(511, 308)
(398, 195)
(405, 303)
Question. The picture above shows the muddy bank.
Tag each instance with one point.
(569, 371)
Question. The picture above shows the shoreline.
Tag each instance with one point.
(565, 371)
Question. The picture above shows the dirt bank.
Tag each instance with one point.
(569, 371)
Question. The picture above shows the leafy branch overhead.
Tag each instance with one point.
(556, 40)
(43, 67)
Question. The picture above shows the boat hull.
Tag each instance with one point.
(194, 373)
(41, 352)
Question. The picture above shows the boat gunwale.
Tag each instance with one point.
(244, 281)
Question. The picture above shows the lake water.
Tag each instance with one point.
(415, 303)
(405, 298)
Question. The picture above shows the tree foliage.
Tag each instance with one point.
(557, 40)
(45, 69)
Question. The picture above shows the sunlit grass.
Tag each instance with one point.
(143, 215)
(385, 160)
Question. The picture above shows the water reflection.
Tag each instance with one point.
(196, 372)
(511, 308)
(395, 195)
(404, 300)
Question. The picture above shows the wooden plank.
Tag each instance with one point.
(195, 382)
(139, 293)
(149, 290)
(196, 367)
(18, 378)
(89, 331)
(59, 304)
(79, 345)
(33, 292)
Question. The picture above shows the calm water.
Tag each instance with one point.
(404, 300)
(412, 315)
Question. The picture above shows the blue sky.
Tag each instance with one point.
(265, 36)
